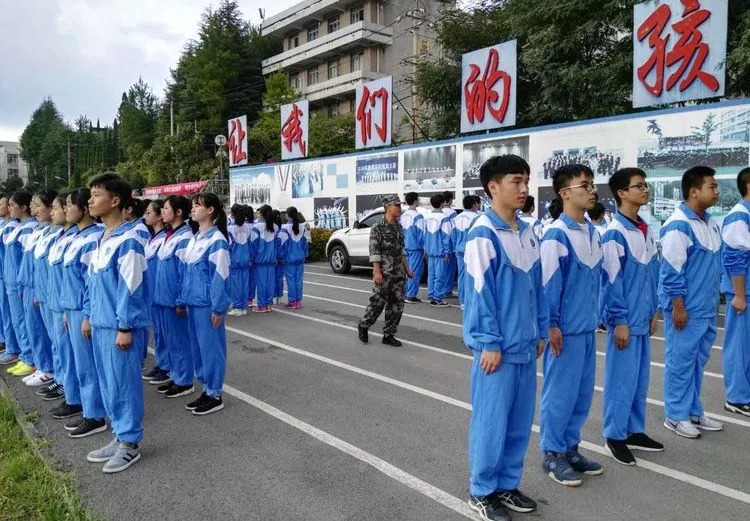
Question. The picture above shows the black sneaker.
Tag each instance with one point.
(74, 423)
(390, 340)
(488, 509)
(164, 388)
(57, 394)
(195, 403)
(88, 427)
(65, 411)
(515, 500)
(47, 388)
(148, 375)
(162, 377)
(620, 451)
(412, 300)
(208, 406)
(639, 441)
(364, 337)
(176, 391)
(739, 408)
(439, 303)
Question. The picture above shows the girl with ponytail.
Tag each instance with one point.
(239, 253)
(294, 239)
(152, 218)
(266, 259)
(279, 289)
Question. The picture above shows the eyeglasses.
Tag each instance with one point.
(589, 187)
(643, 187)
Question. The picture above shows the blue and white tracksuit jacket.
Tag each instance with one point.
(161, 358)
(450, 276)
(239, 269)
(735, 232)
(691, 270)
(295, 248)
(140, 229)
(505, 310)
(628, 297)
(267, 254)
(205, 289)
(41, 291)
(15, 240)
(571, 266)
(437, 244)
(413, 224)
(535, 224)
(461, 225)
(4, 312)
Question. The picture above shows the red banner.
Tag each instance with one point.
(175, 189)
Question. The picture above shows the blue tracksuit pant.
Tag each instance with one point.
(415, 260)
(251, 283)
(41, 347)
(279, 281)
(435, 273)
(48, 327)
(120, 381)
(179, 351)
(736, 355)
(265, 277)
(461, 275)
(294, 273)
(68, 377)
(567, 392)
(212, 345)
(449, 275)
(18, 320)
(502, 412)
(161, 352)
(11, 344)
(626, 374)
(239, 284)
(86, 368)
(685, 358)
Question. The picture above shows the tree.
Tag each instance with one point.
(655, 129)
(44, 146)
(332, 135)
(706, 130)
(263, 138)
(137, 117)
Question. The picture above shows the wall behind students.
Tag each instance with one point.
(664, 143)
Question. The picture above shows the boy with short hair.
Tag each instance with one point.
(438, 247)
(734, 283)
(629, 309)
(571, 267)
(506, 335)
(119, 318)
(413, 224)
(689, 296)
(527, 215)
(461, 225)
(596, 214)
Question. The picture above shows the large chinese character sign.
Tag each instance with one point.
(294, 124)
(373, 113)
(237, 143)
(679, 50)
(488, 88)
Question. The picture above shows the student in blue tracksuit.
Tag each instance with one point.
(294, 240)
(505, 323)
(266, 259)
(527, 216)
(3, 222)
(239, 252)
(75, 301)
(438, 248)
(571, 268)
(461, 226)
(689, 297)
(734, 284)
(413, 224)
(159, 375)
(119, 321)
(169, 310)
(39, 338)
(66, 379)
(279, 266)
(11, 347)
(252, 243)
(629, 309)
(452, 268)
(15, 238)
(205, 289)
(133, 214)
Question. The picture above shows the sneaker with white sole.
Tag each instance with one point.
(515, 500)
(682, 428)
(88, 427)
(40, 379)
(209, 405)
(706, 424)
(123, 458)
(582, 464)
(74, 423)
(234, 312)
(103, 454)
(739, 408)
(558, 468)
(30, 376)
(488, 508)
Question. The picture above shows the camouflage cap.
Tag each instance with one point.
(390, 199)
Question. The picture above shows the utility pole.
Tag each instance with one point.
(69, 162)
(171, 118)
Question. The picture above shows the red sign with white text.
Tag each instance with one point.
(175, 189)
(373, 113)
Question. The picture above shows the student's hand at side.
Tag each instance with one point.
(216, 320)
(65, 321)
(36, 303)
(490, 361)
(540, 347)
(555, 340)
(739, 303)
(654, 324)
(86, 329)
(410, 274)
(447, 258)
(123, 340)
(679, 316)
(622, 336)
(180, 311)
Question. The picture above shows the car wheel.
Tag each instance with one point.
(339, 259)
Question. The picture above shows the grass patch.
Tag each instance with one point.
(28, 489)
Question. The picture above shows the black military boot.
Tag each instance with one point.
(363, 335)
(390, 340)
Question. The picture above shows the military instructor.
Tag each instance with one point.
(389, 272)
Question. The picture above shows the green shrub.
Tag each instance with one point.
(320, 238)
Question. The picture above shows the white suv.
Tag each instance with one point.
(351, 246)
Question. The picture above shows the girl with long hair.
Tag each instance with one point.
(159, 375)
(266, 259)
(294, 239)
(239, 253)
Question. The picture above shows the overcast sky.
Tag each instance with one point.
(85, 53)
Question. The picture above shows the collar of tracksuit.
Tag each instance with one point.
(499, 224)
(690, 213)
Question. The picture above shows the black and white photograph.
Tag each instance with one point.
(251, 186)
(331, 213)
(547, 194)
(366, 204)
(603, 163)
(475, 154)
(430, 169)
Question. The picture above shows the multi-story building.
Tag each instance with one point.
(331, 46)
(735, 125)
(11, 163)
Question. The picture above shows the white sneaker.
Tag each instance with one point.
(40, 379)
(234, 312)
(244, 312)
(682, 428)
(30, 376)
(705, 423)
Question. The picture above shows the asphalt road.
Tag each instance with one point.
(320, 427)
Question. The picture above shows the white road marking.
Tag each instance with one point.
(659, 469)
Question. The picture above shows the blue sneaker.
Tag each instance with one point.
(8, 358)
(582, 464)
(559, 470)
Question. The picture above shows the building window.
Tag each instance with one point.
(333, 69)
(334, 24)
(356, 61)
(312, 33)
(312, 76)
(295, 41)
(357, 14)
(12, 159)
(294, 81)
(12, 172)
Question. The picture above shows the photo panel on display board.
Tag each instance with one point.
(475, 154)
(307, 179)
(546, 194)
(366, 204)
(331, 213)
(377, 174)
(670, 144)
(430, 169)
(251, 186)
(486, 200)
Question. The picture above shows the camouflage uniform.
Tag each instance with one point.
(387, 247)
